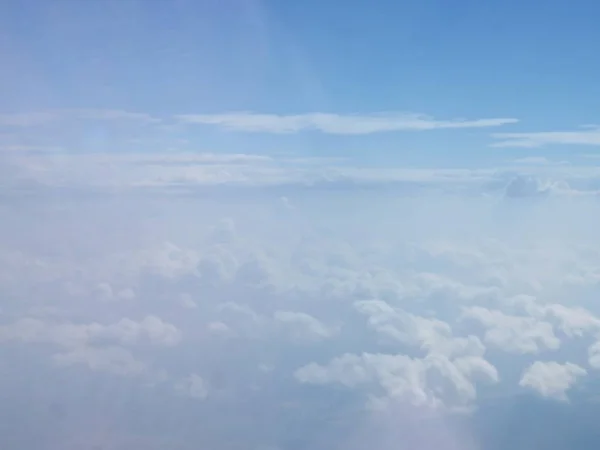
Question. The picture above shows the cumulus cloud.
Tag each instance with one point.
(432, 335)
(551, 379)
(417, 381)
(518, 334)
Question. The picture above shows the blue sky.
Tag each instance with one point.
(515, 60)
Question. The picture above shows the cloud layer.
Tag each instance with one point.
(171, 296)
(327, 306)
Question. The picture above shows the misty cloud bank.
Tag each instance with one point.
(321, 319)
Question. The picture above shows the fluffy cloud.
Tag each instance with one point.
(551, 379)
(417, 381)
(431, 335)
(514, 333)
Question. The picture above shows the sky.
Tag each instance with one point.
(290, 225)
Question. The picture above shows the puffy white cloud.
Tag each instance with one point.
(551, 379)
(518, 334)
(432, 335)
(573, 321)
(427, 381)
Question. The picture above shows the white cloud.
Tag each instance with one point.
(517, 334)
(573, 321)
(594, 355)
(438, 301)
(335, 123)
(417, 381)
(590, 135)
(551, 379)
(431, 335)
(535, 160)
(126, 332)
(185, 171)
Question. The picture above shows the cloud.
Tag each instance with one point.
(432, 335)
(573, 321)
(527, 186)
(594, 355)
(588, 136)
(32, 119)
(193, 315)
(416, 381)
(113, 360)
(537, 161)
(81, 336)
(516, 334)
(551, 379)
(186, 171)
(334, 123)
(135, 172)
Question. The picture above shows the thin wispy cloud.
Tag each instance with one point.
(27, 119)
(188, 171)
(589, 135)
(537, 161)
(37, 118)
(335, 123)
